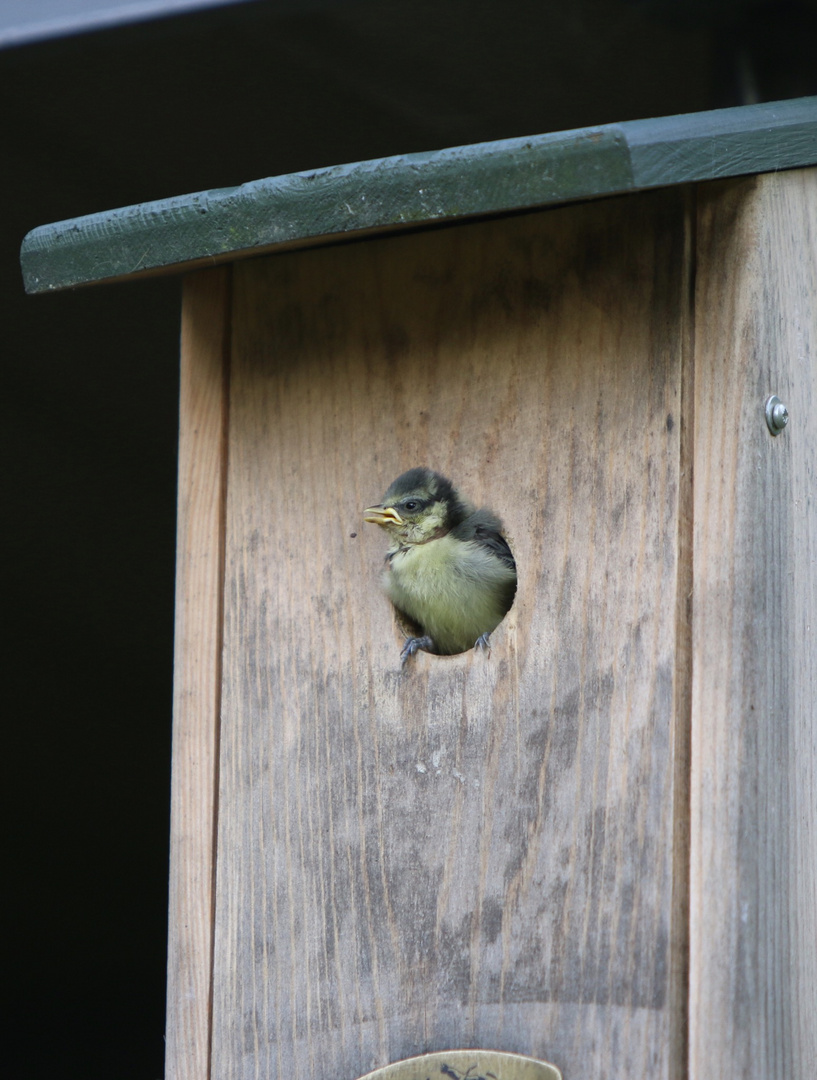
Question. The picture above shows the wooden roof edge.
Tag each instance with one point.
(411, 190)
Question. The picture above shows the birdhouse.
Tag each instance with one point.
(593, 844)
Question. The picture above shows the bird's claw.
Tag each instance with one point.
(483, 643)
(413, 645)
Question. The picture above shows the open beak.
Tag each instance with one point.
(382, 515)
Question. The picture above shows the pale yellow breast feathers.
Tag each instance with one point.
(452, 589)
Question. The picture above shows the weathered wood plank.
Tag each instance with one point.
(478, 852)
(753, 1002)
(768, 137)
(197, 685)
(418, 189)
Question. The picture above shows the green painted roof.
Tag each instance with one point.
(346, 201)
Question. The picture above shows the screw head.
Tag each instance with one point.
(777, 415)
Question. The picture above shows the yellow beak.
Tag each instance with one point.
(382, 515)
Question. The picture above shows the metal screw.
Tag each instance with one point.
(777, 415)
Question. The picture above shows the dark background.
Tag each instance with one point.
(90, 381)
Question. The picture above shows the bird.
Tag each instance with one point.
(449, 570)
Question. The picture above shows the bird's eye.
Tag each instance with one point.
(411, 504)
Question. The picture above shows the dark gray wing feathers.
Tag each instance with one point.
(485, 528)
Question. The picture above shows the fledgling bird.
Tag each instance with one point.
(449, 569)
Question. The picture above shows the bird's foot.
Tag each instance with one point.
(416, 644)
(483, 643)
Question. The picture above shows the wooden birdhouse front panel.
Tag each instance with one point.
(477, 850)
(592, 845)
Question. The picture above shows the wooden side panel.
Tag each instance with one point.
(197, 687)
(479, 851)
(753, 1003)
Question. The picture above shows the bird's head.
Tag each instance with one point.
(420, 505)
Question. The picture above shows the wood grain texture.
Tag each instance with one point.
(753, 982)
(478, 852)
(197, 685)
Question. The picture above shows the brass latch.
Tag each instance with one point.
(467, 1065)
